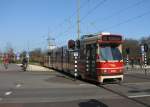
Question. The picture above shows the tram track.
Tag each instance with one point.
(123, 95)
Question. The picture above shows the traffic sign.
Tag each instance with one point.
(18, 56)
(27, 55)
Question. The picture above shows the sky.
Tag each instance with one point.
(26, 24)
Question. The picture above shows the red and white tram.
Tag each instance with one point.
(94, 57)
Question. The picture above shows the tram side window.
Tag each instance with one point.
(88, 51)
(56, 57)
(93, 50)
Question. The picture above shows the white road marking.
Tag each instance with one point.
(138, 96)
(8, 93)
(83, 84)
(18, 85)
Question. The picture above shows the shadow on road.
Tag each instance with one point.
(92, 103)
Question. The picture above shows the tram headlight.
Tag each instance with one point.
(105, 71)
(121, 71)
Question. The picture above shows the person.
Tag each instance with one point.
(132, 62)
(6, 61)
(24, 63)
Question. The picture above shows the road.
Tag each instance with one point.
(54, 89)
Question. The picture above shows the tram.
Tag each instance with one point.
(96, 57)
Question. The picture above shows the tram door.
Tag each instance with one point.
(91, 60)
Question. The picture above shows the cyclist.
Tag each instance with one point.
(24, 63)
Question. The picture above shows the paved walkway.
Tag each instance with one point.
(137, 66)
(36, 68)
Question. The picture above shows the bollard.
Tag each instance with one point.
(75, 65)
(127, 62)
(145, 64)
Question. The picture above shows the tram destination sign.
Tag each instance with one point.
(111, 38)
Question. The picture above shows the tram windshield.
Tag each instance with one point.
(110, 52)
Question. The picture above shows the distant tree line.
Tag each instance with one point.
(37, 55)
(135, 48)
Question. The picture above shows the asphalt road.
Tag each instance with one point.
(53, 89)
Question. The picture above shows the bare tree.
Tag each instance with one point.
(36, 55)
(10, 51)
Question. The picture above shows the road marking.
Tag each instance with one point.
(138, 96)
(82, 84)
(18, 85)
(8, 93)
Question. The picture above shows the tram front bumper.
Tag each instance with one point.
(102, 78)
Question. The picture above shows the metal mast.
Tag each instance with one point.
(51, 42)
(78, 19)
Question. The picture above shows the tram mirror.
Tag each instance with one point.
(71, 44)
(145, 47)
(78, 44)
(128, 50)
(49, 53)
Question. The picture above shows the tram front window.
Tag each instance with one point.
(110, 52)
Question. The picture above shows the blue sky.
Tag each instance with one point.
(25, 23)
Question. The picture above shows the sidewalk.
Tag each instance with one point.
(36, 68)
(137, 66)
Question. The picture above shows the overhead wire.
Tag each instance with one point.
(127, 21)
(117, 13)
(71, 16)
(93, 9)
(101, 2)
(112, 15)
